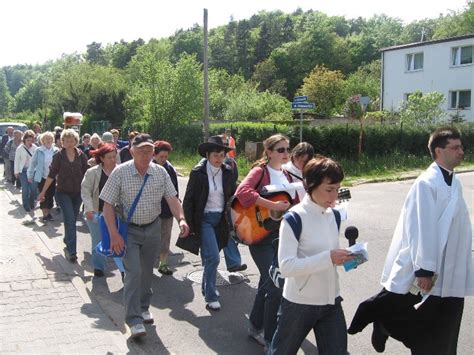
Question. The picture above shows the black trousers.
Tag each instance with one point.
(433, 329)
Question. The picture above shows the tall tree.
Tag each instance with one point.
(95, 54)
(5, 96)
(242, 42)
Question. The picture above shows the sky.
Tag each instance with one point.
(34, 31)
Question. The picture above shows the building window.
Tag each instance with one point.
(460, 99)
(414, 61)
(462, 55)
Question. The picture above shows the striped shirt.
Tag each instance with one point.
(124, 183)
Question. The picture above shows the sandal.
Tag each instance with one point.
(165, 270)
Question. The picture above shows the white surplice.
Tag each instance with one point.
(433, 233)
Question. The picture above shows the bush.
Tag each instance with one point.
(339, 141)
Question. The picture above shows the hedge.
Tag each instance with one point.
(333, 140)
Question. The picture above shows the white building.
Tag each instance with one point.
(445, 66)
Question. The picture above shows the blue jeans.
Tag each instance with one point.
(210, 254)
(99, 261)
(70, 205)
(29, 191)
(232, 254)
(268, 297)
(296, 321)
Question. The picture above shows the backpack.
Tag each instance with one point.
(294, 220)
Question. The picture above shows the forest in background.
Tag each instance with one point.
(256, 67)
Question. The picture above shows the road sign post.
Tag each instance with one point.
(301, 103)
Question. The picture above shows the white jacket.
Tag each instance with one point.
(433, 233)
(22, 158)
(311, 277)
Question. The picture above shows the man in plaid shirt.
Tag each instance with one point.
(143, 237)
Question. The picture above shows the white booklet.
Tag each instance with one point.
(361, 255)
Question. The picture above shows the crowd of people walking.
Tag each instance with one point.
(431, 245)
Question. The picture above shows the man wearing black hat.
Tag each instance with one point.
(143, 237)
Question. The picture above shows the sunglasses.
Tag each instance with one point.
(282, 150)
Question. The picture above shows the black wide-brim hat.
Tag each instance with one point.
(212, 143)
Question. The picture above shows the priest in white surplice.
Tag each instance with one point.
(431, 249)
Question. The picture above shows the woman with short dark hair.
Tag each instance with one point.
(160, 156)
(311, 298)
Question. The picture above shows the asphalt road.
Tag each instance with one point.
(184, 326)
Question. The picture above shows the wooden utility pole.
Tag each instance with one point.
(206, 82)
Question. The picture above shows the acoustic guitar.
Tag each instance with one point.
(253, 224)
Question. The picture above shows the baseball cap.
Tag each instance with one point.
(142, 140)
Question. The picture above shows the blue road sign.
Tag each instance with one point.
(300, 99)
(302, 105)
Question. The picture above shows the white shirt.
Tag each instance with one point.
(22, 158)
(279, 179)
(311, 277)
(215, 199)
(48, 158)
(291, 168)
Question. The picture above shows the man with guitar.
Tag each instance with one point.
(266, 171)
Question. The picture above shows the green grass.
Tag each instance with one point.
(394, 167)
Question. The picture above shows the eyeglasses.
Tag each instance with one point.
(456, 147)
(282, 150)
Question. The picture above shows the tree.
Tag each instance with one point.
(265, 77)
(242, 42)
(365, 81)
(422, 110)
(162, 93)
(189, 41)
(325, 88)
(95, 54)
(5, 96)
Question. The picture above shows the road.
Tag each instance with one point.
(184, 326)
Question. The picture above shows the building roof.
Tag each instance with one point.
(425, 43)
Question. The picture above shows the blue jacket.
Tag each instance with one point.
(36, 168)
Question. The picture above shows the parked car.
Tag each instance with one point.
(3, 128)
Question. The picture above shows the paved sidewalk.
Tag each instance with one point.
(44, 306)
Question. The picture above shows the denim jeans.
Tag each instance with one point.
(29, 191)
(210, 254)
(296, 321)
(232, 254)
(268, 297)
(99, 261)
(70, 205)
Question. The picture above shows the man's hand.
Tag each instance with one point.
(183, 228)
(116, 243)
(281, 206)
(425, 283)
(340, 256)
(90, 215)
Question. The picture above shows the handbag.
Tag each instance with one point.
(103, 247)
(190, 243)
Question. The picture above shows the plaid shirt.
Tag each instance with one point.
(124, 183)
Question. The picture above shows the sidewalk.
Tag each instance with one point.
(44, 305)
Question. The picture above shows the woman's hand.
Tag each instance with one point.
(340, 256)
(281, 206)
(90, 215)
(17, 176)
(30, 181)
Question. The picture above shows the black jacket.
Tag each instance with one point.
(196, 195)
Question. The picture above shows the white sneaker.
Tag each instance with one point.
(147, 317)
(213, 306)
(138, 330)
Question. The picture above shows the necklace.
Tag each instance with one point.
(213, 175)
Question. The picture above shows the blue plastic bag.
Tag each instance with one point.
(103, 248)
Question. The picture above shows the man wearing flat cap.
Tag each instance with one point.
(143, 237)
